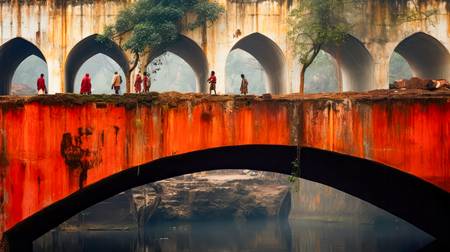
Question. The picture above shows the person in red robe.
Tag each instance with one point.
(146, 83)
(86, 85)
(212, 81)
(137, 83)
(42, 89)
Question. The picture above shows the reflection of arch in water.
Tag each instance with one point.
(87, 48)
(355, 64)
(12, 53)
(408, 197)
(269, 55)
(192, 54)
(426, 56)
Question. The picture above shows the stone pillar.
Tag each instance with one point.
(55, 76)
(381, 73)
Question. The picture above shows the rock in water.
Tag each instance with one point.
(235, 195)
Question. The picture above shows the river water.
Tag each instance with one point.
(292, 235)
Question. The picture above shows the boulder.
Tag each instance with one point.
(418, 83)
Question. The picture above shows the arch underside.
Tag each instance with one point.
(193, 55)
(427, 57)
(414, 200)
(84, 50)
(355, 63)
(270, 56)
(12, 53)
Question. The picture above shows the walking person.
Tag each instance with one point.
(147, 83)
(86, 85)
(212, 80)
(137, 83)
(116, 81)
(244, 85)
(41, 88)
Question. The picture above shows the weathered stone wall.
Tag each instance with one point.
(57, 26)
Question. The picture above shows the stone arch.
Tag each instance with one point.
(406, 196)
(84, 50)
(355, 64)
(192, 54)
(269, 55)
(427, 56)
(12, 53)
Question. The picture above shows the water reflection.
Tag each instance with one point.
(295, 235)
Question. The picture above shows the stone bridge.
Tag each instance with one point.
(62, 153)
(63, 34)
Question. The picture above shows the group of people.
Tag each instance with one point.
(212, 80)
(116, 82)
(140, 81)
(86, 84)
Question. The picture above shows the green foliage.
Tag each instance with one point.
(295, 171)
(294, 178)
(205, 12)
(157, 23)
(314, 24)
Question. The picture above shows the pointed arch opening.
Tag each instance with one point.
(426, 56)
(86, 49)
(351, 67)
(12, 54)
(268, 54)
(190, 54)
(100, 76)
(322, 76)
(355, 64)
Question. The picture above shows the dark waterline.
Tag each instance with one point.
(295, 235)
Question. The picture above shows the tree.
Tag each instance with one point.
(315, 24)
(149, 24)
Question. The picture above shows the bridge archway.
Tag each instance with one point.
(416, 201)
(84, 50)
(269, 55)
(12, 53)
(352, 62)
(101, 68)
(192, 54)
(426, 56)
(355, 64)
(322, 76)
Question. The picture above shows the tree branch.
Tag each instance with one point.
(135, 63)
